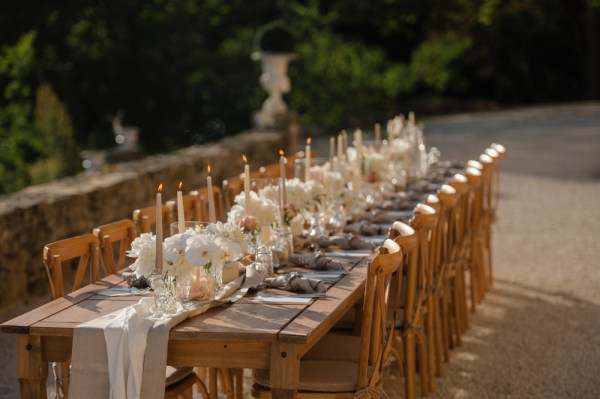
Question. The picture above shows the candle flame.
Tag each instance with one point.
(244, 158)
(308, 140)
(281, 152)
(209, 169)
(180, 186)
(160, 188)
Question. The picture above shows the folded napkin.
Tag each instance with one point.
(295, 282)
(399, 203)
(347, 241)
(315, 260)
(378, 216)
(366, 229)
(134, 281)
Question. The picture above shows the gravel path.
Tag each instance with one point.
(536, 335)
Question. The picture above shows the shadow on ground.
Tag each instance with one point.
(523, 343)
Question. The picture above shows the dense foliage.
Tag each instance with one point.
(181, 69)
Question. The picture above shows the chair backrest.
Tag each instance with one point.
(437, 233)
(145, 219)
(459, 218)
(375, 334)
(406, 237)
(423, 222)
(447, 219)
(191, 208)
(202, 195)
(118, 234)
(83, 247)
(475, 179)
(272, 170)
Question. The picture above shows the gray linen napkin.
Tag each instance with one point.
(296, 283)
(378, 216)
(315, 260)
(346, 242)
(366, 229)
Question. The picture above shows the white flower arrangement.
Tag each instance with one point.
(264, 211)
(143, 248)
(186, 254)
(297, 195)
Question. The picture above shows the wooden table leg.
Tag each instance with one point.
(285, 370)
(32, 369)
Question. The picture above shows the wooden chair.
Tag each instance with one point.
(191, 208)
(457, 246)
(446, 282)
(438, 272)
(474, 255)
(84, 249)
(410, 318)
(487, 216)
(202, 195)
(116, 234)
(424, 222)
(145, 219)
(349, 378)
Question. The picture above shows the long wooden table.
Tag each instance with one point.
(241, 335)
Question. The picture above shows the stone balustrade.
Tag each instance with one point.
(41, 214)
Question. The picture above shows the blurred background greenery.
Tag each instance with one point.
(181, 69)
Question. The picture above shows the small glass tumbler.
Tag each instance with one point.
(159, 293)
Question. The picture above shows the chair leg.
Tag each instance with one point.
(430, 346)
(445, 320)
(462, 292)
(238, 377)
(65, 374)
(422, 352)
(437, 330)
(488, 247)
(410, 365)
(457, 310)
(212, 382)
(226, 381)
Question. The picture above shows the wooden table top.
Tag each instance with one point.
(242, 321)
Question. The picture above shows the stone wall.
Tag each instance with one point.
(42, 214)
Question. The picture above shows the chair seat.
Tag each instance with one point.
(175, 374)
(320, 376)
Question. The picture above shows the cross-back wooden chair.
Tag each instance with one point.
(202, 195)
(457, 267)
(487, 216)
(145, 219)
(408, 311)
(475, 255)
(116, 235)
(348, 378)
(444, 288)
(436, 277)
(423, 222)
(84, 249)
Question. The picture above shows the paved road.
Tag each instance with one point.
(536, 336)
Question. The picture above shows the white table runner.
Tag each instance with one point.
(123, 355)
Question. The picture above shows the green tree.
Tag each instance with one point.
(17, 138)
